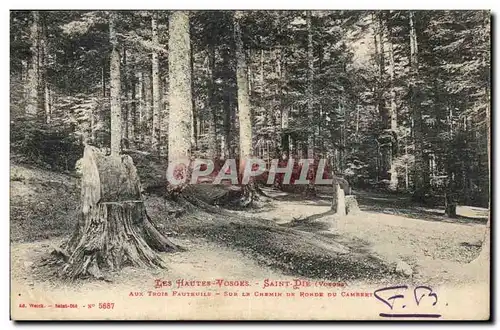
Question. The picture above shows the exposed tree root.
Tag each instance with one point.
(116, 235)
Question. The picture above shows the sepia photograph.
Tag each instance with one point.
(250, 165)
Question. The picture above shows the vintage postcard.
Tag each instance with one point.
(250, 165)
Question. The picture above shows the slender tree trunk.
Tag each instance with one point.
(248, 55)
(385, 135)
(115, 89)
(484, 256)
(179, 93)
(211, 110)
(407, 176)
(285, 136)
(310, 82)
(32, 84)
(139, 113)
(155, 72)
(277, 132)
(244, 110)
(342, 136)
(148, 107)
(227, 103)
(103, 78)
(48, 104)
(393, 114)
(421, 169)
(126, 106)
(132, 108)
(43, 64)
(318, 131)
(194, 125)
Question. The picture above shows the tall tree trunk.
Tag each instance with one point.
(155, 72)
(139, 113)
(285, 135)
(103, 78)
(421, 169)
(484, 256)
(43, 65)
(211, 109)
(32, 84)
(310, 82)
(385, 136)
(227, 103)
(115, 89)
(194, 125)
(483, 259)
(244, 110)
(126, 106)
(148, 107)
(278, 106)
(164, 117)
(132, 109)
(179, 93)
(393, 114)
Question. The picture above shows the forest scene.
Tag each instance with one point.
(392, 106)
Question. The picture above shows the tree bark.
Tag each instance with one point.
(195, 119)
(180, 102)
(132, 109)
(393, 114)
(484, 256)
(211, 110)
(228, 117)
(310, 82)
(148, 107)
(421, 179)
(126, 105)
(155, 73)
(385, 135)
(450, 204)
(244, 110)
(285, 135)
(114, 229)
(32, 84)
(115, 89)
(43, 67)
(139, 94)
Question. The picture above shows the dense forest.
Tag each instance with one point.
(394, 100)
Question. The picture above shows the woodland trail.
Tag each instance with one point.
(254, 244)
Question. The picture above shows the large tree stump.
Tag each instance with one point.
(114, 229)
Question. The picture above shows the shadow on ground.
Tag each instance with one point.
(404, 206)
(293, 253)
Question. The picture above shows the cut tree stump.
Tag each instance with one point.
(114, 229)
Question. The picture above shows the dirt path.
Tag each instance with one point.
(202, 260)
(435, 250)
(436, 247)
(299, 232)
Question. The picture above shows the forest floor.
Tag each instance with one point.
(286, 237)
